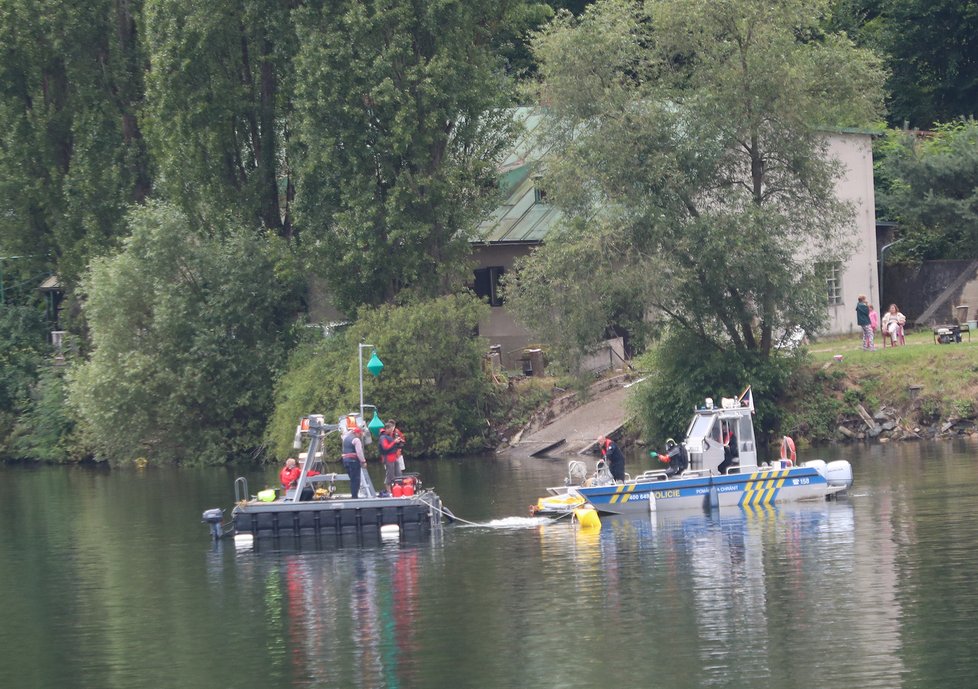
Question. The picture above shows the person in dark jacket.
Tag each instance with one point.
(353, 460)
(675, 456)
(863, 321)
(730, 450)
(613, 456)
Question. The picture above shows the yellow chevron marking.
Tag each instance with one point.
(621, 492)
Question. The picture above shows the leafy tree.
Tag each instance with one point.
(187, 333)
(21, 358)
(929, 184)
(586, 284)
(688, 133)
(931, 49)
(71, 151)
(401, 124)
(219, 104)
(661, 407)
(433, 380)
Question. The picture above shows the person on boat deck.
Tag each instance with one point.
(613, 456)
(390, 446)
(675, 457)
(730, 451)
(400, 454)
(290, 473)
(353, 459)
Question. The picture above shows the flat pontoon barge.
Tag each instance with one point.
(314, 508)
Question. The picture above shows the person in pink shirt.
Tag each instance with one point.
(874, 322)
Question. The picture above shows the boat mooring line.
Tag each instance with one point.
(449, 514)
(452, 516)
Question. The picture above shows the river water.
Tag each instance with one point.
(109, 580)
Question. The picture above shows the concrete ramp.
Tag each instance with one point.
(574, 432)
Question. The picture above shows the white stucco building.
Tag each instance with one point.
(523, 220)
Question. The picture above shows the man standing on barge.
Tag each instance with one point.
(353, 459)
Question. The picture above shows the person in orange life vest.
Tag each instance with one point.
(290, 473)
(390, 446)
(400, 454)
(353, 459)
(613, 456)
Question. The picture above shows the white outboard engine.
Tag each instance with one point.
(839, 473)
(816, 464)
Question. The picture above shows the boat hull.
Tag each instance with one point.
(417, 514)
(748, 489)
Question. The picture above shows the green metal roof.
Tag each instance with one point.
(522, 216)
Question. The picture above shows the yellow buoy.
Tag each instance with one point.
(587, 517)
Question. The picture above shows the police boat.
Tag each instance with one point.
(715, 466)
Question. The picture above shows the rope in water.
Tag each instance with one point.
(451, 515)
(447, 513)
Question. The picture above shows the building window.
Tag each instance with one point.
(487, 284)
(539, 193)
(833, 283)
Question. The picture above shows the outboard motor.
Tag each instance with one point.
(839, 473)
(836, 473)
(214, 517)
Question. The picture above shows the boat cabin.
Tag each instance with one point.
(722, 433)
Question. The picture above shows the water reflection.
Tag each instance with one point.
(108, 580)
(350, 620)
(761, 590)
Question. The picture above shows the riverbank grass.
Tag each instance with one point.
(922, 381)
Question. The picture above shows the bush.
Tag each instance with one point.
(433, 381)
(815, 410)
(45, 431)
(187, 333)
(684, 370)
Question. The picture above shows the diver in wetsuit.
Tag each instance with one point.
(675, 456)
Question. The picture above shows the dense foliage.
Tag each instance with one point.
(929, 185)
(187, 333)
(686, 370)
(433, 382)
(402, 127)
(219, 97)
(21, 358)
(71, 149)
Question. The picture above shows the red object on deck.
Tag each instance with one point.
(397, 491)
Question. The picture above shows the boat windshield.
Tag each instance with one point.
(700, 428)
